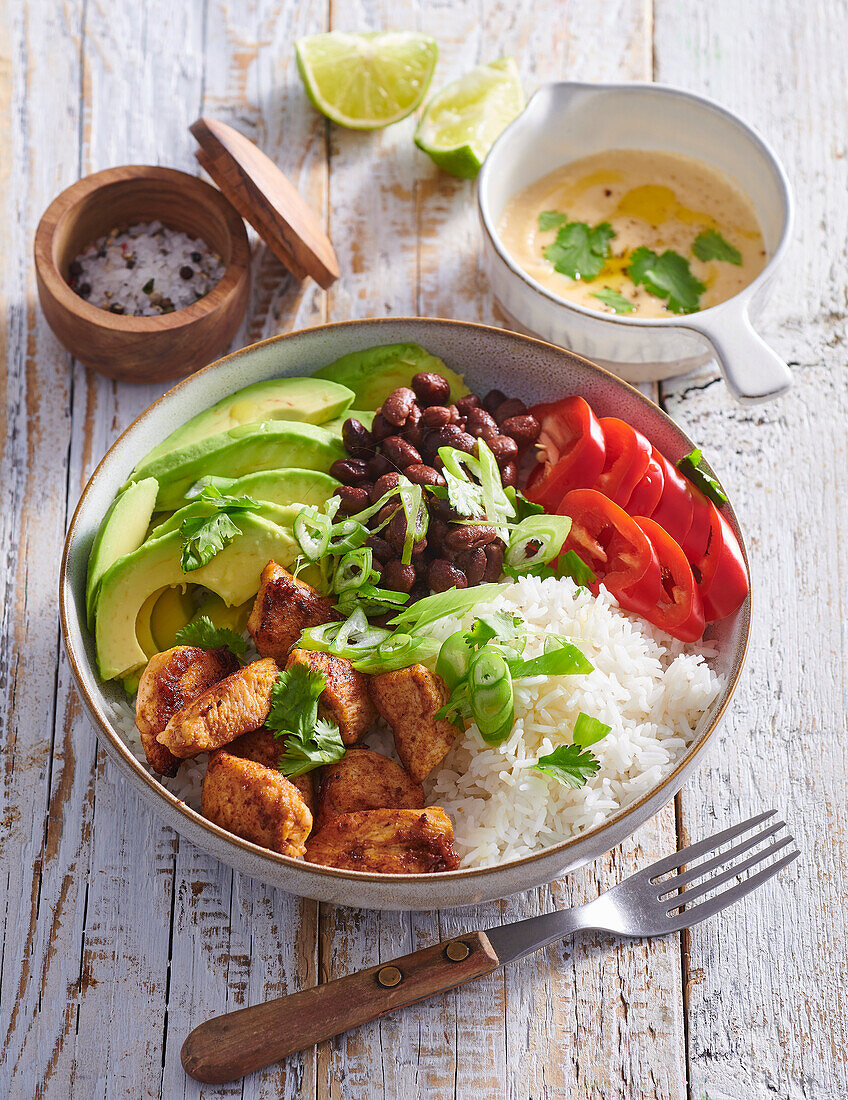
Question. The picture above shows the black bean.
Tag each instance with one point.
(473, 564)
(442, 575)
(436, 416)
(506, 409)
(494, 561)
(523, 429)
(381, 429)
(395, 531)
(384, 484)
(398, 577)
(353, 498)
(420, 474)
(350, 471)
(468, 536)
(400, 452)
(492, 399)
(357, 440)
(504, 449)
(430, 388)
(378, 465)
(398, 405)
(466, 404)
(380, 549)
(509, 474)
(413, 429)
(479, 423)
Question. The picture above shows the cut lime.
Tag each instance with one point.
(462, 121)
(365, 81)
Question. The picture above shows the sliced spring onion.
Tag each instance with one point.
(354, 570)
(371, 600)
(572, 565)
(455, 657)
(464, 495)
(490, 695)
(416, 527)
(455, 601)
(349, 534)
(312, 531)
(588, 730)
(549, 532)
(497, 506)
(398, 651)
(566, 660)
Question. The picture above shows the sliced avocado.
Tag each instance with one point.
(310, 400)
(233, 574)
(372, 374)
(220, 615)
(241, 450)
(171, 612)
(364, 416)
(274, 513)
(122, 531)
(292, 486)
(142, 624)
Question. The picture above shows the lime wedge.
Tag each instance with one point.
(462, 121)
(365, 81)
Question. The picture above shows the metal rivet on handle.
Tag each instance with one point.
(457, 951)
(389, 976)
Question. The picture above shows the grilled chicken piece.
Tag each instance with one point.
(238, 704)
(256, 803)
(283, 607)
(345, 699)
(171, 681)
(408, 701)
(265, 748)
(391, 842)
(364, 780)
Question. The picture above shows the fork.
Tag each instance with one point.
(665, 897)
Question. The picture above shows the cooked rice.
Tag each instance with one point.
(651, 689)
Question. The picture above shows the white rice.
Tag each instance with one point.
(651, 689)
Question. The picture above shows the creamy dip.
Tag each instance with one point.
(659, 200)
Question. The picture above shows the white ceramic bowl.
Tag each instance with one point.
(487, 357)
(565, 121)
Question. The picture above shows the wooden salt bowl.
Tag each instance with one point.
(142, 349)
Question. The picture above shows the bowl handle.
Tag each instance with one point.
(753, 371)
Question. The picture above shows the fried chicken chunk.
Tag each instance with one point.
(391, 842)
(345, 699)
(256, 803)
(265, 748)
(283, 607)
(408, 701)
(238, 704)
(171, 681)
(364, 780)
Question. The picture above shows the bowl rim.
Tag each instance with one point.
(683, 320)
(103, 725)
(54, 284)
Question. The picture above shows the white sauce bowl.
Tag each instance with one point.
(565, 121)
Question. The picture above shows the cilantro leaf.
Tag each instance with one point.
(205, 535)
(203, 633)
(523, 507)
(304, 753)
(710, 245)
(613, 300)
(588, 730)
(667, 276)
(572, 565)
(310, 741)
(690, 467)
(551, 219)
(579, 250)
(569, 764)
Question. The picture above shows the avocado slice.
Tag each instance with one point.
(219, 614)
(242, 450)
(372, 374)
(233, 574)
(170, 613)
(274, 513)
(123, 530)
(291, 486)
(309, 400)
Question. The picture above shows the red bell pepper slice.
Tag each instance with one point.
(720, 572)
(676, 507)
(694, 544)
(572, 442)
(626, 460)
(615, 548)
(648, 492)
(679, 610)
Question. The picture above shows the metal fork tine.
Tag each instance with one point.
(721, 901)
(731, 873)
(686, 855)
(700, 869)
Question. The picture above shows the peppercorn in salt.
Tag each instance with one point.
(145, 270)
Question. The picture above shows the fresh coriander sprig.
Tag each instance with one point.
(551, 219)
(580, 250)
(204, 536)
(710, 245)
(310, 741)
(203, 633)
(614, 300)
(667, 276)
(569, 764)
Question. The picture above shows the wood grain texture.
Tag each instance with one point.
(118, 937)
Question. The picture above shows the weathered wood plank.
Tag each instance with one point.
(766, 998)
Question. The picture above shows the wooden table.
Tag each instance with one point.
(118, 936)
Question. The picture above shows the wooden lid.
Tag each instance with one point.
(263, 196)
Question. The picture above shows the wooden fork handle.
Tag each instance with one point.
(237, 1043)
